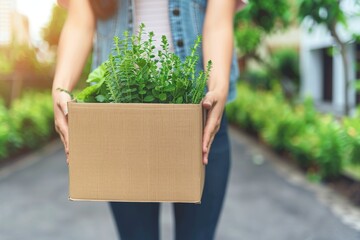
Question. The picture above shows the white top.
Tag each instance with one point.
(155, 15)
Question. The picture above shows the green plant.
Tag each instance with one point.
(352, 141)
(320, 144)
(133, 73)
(283, 127)
(6, 130)
(304, 144)
(260, 79)
(330, 151)
(247, 38)
(268, 15)
(239, 110)
(303, 147)
(286, 62)
(6, 66)
(257, 20)
(27, 124)
(32, 118)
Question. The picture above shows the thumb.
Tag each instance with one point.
(64, 108)
(63, 99)
(208, 101)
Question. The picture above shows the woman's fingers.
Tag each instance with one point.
(215, 110)
(211, 128)
(62, 140)
(64, 130)
(63, 99)
(206, 155)
(209, 101)
(64, 109)
(60, 114)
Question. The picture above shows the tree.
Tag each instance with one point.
(256, 21)
(329, 13)
(51, 31)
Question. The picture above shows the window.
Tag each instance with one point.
(357, 70)
(327, 91)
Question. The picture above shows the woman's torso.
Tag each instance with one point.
(184, 19)
(154, 14)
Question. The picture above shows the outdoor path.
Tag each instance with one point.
(265, 201)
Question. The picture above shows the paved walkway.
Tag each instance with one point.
(262, 203)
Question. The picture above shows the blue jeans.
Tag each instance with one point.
(140, 221)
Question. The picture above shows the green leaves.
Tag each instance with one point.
(32, 119)
(136, 72)
(27, 124)
(149, 98)
(327, 12)
(97, 75)
(267, 15)
(258, 19)
(319, 143)
(248, 38)
(100, 98)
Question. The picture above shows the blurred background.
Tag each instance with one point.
(298, 94)
(29, 35)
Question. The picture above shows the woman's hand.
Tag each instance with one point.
(60, 100)
(74, 47)
(214, 102)
(217, 47)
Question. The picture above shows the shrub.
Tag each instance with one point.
(303, 147)
(247, 38)
(282, 129)
(259, 79)
(5, 130)
(27, 124)
(32, 117)
(319, 143)
(330, 151)
(352, 139)
(287, 63)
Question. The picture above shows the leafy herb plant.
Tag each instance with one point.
(133, 74)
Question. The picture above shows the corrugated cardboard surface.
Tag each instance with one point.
(135, 152)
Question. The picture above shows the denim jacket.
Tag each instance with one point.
(186, 20)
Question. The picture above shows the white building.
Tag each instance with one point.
(7, 7)
(322, 74)
(14, 27)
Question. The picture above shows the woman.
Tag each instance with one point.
(181, 21)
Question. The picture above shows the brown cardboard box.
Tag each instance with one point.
(135, 152)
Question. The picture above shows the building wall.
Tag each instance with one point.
(20, 29)
(14, 27)
(311, 64)
(6, 9)
(311, 84)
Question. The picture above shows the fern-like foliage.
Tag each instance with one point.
(136, 73)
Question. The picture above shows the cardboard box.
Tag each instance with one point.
(136, 152)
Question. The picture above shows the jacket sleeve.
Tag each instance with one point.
(240, 4)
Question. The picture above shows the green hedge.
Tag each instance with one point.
(6, 131)
(27, 124)
(320, 144)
